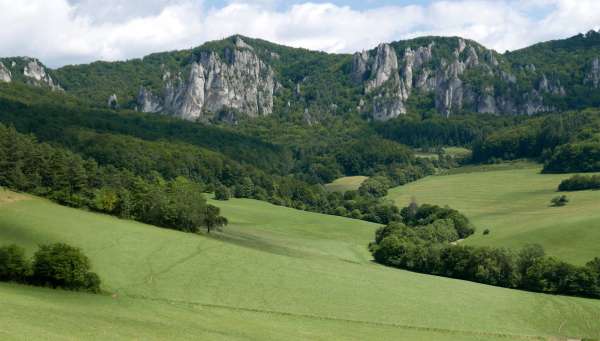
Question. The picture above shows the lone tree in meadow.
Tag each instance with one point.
(212, 218)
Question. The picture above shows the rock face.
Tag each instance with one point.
(113, 102)
(5, 75)
(237, 82)
(36, 74)
(389, 78)
(593, 76)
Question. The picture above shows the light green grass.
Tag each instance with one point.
(347, 183)
(274, 273)
(456, 152)
(514, 204)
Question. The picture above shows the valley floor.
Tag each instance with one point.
(273, 273)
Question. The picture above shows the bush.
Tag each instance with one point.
(376, 187)
(14, 266)
(580, 183)
(558, 201)
(222, 193)
(486, 232)
(62, 266)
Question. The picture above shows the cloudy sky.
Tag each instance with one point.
(63, 32)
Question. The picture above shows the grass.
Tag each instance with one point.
(513, 202)
(456, 152)
(274, 273)
(347, 183)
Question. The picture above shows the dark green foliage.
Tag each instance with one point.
(560, 200)
(575, 157)
(62, 266)
(71, 180)
(435, 131)
(222, 193)
(14, 266)
(212, 219)
(375, 186)
(547, 138)
(580, 183)
(427, 250)
(123, 147)
(49, 115)
(486, 232)
(567, 60)
(414, 215)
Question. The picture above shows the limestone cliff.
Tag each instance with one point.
(237, 81)
(5, 75)
(390, 77)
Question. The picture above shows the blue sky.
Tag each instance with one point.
(63, 32)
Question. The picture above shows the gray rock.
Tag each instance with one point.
(593, 75)
(241, 44)
(384, 67)
(38, 76)
(472, 57)
(5, 75)
(147, 101)
(113, 103)
(360, 66)
(461, 45)
(240, 82)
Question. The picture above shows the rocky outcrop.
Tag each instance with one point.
(239, 82)
(113, 102)
(379, 72)
(5, 75)
(36, 74)
(389, 81)
(593, 76)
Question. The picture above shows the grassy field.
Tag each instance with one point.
(274, 273)
(457, 152)
(513, 202)
(347, 183)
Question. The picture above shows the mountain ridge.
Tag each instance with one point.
(240, 77)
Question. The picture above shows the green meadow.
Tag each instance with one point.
(347, 183)
(273, 273)
(513, 202)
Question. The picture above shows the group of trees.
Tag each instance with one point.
(53, 265)
(580, 183)
(574, 157)
(426, 241)
(56, 173)
(565, 142)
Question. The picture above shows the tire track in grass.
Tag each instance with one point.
(372, 323)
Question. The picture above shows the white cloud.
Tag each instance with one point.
(74, 31)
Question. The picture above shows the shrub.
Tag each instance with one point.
(376, 187)
(580, 183)
(486, 232)
(222, 193)
(63, 266)
(560, 200)
(14, 267)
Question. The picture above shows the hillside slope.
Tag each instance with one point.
(514, 204)
(273, 273)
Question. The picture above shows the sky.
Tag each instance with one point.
(61, 32)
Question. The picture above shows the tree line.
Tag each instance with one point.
(67, 178)
(425, 242)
